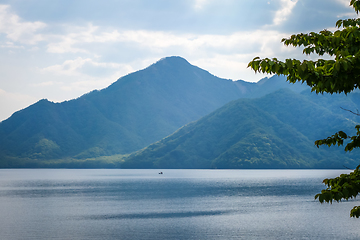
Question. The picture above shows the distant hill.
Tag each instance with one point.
(135, 111)
(275, 131)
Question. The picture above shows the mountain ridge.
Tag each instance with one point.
(246, 133)
(131, 113)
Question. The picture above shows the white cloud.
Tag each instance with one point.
(246, 44)
(344, 2)
(157, 40)
(69, 67)
(236, 65)
(86, 40)
(284, 12)
(47, 83)
(13, 101)
(76, 67)
(227, 55)
(199, 4)
(80, 35)
(11, 45)
(17, 30)
(84, 74)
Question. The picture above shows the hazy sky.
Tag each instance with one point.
(61, 49)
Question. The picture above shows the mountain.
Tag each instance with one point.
(275, 131)
(135, 111)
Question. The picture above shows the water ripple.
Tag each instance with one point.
(156, 215)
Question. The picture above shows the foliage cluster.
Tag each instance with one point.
(346, 186)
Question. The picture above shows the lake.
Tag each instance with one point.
(178, 204)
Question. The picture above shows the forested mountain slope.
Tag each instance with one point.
(135, 111)
(275, 131)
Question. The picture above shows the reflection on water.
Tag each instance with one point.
(179, 204)
(157, 215)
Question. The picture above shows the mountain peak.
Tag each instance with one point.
(173, 60)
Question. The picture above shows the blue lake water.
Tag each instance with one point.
(179, 204)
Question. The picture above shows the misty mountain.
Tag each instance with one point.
(275, 131)
(133, 112)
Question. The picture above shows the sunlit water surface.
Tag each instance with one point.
(179, 204)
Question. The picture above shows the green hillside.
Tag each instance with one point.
(133, 112)
(275, 131)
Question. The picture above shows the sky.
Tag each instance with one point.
(62, 49)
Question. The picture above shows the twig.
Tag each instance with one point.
(358, 114)
(347, 167)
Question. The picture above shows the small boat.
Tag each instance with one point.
(160, 172)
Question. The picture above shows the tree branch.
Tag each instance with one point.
(358, 114)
